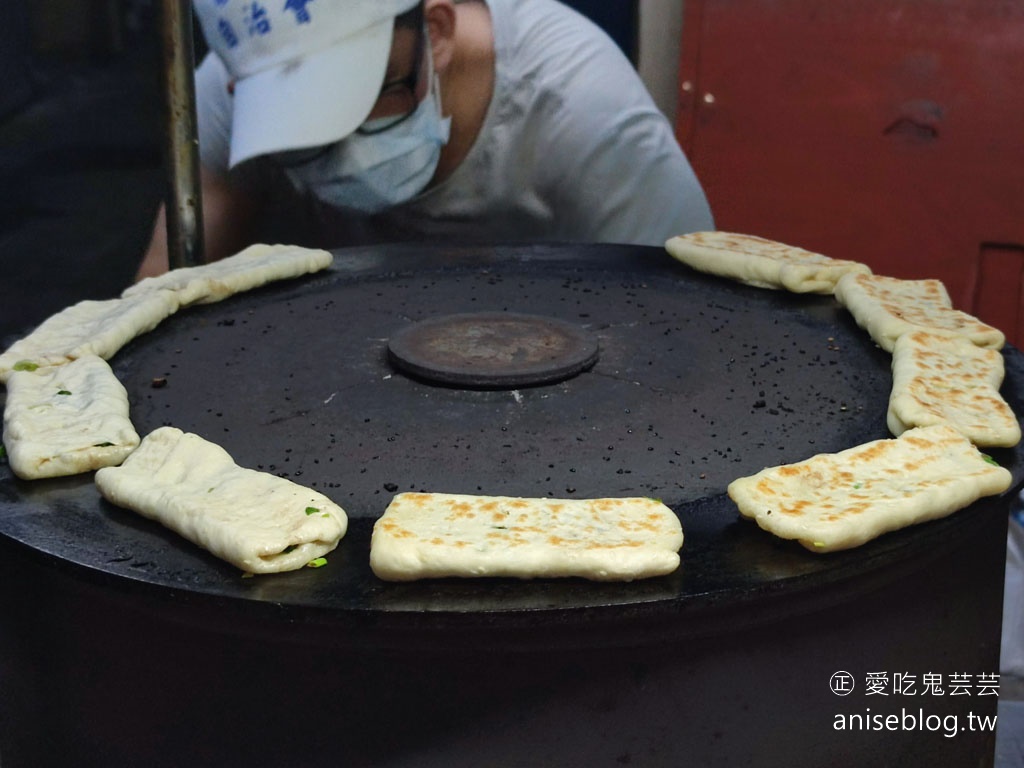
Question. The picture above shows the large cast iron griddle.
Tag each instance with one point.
(699, 380)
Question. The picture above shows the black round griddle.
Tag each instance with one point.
(122, 642)
(699, 380)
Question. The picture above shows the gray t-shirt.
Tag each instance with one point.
(572, 147)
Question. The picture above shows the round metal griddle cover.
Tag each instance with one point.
(492, 350)
(699, 381)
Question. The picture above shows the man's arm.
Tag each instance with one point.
(228, 215)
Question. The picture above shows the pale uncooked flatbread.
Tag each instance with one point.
(887, 307)
(942, 379)
(838, 501)
(761, 263)
(248, 269)
(259, 522)
(66, 420)
(98, 328)
(427, 535)
(102, 327)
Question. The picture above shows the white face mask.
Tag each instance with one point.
(371, 173)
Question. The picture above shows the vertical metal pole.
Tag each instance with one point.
(181, 147)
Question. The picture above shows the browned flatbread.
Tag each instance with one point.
(943, 379)
(430, 535)
(887, 307)
(759, 262)
(838, 501)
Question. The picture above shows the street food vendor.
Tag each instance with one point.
(386, 120)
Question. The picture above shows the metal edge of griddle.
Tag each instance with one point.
(697, 618)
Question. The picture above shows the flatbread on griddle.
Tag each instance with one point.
(98, 328)
(837, 501)
(761, 263)
(430, 535)
(887, 307)
(66, 420)
(255, 266)
(259, 522)
(942, 379)
(102, 327)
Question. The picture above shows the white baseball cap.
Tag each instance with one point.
(306, 72)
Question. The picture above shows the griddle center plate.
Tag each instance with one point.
(493, 350)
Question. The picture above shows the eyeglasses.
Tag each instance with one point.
(398, 100)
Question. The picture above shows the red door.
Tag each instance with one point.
(886, 131)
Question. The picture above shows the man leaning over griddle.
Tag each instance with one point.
(358, 121)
